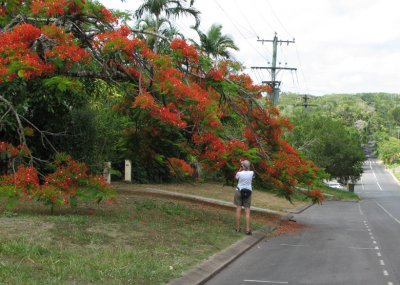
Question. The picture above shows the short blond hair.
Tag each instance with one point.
(246, 164)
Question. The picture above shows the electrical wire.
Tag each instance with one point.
(261, 16)
(250, 25)
(277, 18)
(301, 69)
(245, 18)
(237, 28)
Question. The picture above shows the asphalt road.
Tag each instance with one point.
(342, 243)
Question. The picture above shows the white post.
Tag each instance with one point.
(128, 170)
(107, 172)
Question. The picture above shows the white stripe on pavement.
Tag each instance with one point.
(387, 212)
(265, 281)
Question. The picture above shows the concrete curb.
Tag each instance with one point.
(217, 262)
(187, 197)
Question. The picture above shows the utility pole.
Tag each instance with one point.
(274, 69)
(305, 103)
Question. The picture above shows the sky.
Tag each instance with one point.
(341, 46)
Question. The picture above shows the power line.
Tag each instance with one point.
(236, 27)
(302, 73)
(261, 16)
(277, 18)
(245, 18)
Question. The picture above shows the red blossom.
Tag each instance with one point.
(187, 51)
(316, 196)
(179, 167)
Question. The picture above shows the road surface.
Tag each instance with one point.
(342, 243)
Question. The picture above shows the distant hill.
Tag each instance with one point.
(368, 112)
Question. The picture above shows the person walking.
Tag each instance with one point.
(243, 194)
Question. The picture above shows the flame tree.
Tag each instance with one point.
(178, 98)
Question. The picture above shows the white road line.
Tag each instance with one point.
(385, 273)
(378, 254)
(265, 281)
(386, 211)
(390, 283)
(362, 184)
(376, 178)
(382, 262)
(361, 212)
(354, 247)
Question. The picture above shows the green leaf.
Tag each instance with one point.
(11, 203)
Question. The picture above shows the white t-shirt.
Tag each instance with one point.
(245, 177)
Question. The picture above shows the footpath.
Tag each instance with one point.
(215, 263)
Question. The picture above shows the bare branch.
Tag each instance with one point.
(20, 129)
(18, 19)
(5, 114)
(42, 135)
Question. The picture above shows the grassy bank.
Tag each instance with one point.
(137, 240)
(217, 191)
(340, 195)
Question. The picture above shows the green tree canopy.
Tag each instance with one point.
(330, 144)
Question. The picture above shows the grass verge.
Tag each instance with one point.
(137, 240)
(217, 191)
(340, 195)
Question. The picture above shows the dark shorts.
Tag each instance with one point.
(237, 200)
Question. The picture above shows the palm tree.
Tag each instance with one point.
(215, 44)
(165, 28)
(169, 8)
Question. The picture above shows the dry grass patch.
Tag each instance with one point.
(225, 193)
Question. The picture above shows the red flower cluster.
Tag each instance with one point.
(118, 40)
(12, 151)
(166, 115)
(216, 75)
(179, 167)
(53, 8)
(50, 8)
(316, 196)
(16, 56)
(69, 181)
(67, 49)
(26, 179)
(187, 51)
(67, 176)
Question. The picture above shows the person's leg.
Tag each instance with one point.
(247, 211)
(238, 212)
